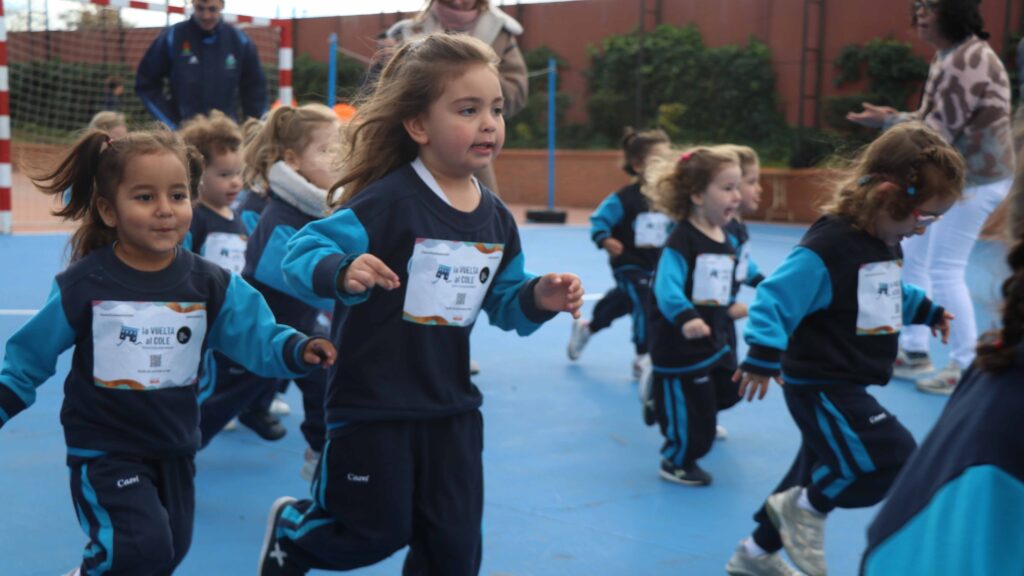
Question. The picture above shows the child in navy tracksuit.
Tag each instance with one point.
(690, 353)
(625, 226)
(252, 199)
(218, 234)
(748, 273)
(416, 249)
(957, 506)
(296, 157)
(827, 321)
(139, 312)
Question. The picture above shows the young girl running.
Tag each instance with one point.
(827, 321)
(414, 252)
(295, 157)
(625, 226)
(956, 508)
(690, 351)
(139, 312)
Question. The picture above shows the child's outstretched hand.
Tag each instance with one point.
(696, 329)
(559, 293)
(738, 310)
(753, 384)
(319, 351)
(364, 273)
(942, 326)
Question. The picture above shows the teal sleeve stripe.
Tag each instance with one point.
(504, 303)
(269, 269)
(913, 297)
(670, 285)
(762, 363)
(608, 215)
(972, 525)
(187, 242)
(799, 287)
(246, 331)
(341, 234)
(31, 354)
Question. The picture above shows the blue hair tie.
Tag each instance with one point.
(863, 180)
(911, 190)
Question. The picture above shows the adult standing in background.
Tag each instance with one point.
(207, 65)
(479, 19)
(967, 100)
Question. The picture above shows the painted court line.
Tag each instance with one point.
(15, 312)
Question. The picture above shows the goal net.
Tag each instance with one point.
(69, 60)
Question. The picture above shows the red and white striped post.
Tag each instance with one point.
(5, 130)
(284, 61)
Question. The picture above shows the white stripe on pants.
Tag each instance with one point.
(937, 261)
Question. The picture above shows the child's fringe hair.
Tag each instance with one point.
(212, 135)
(670, 183)
(747, 155)
(903, 168)
(284, 129)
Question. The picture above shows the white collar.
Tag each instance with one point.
(296, 191)
(431, 182)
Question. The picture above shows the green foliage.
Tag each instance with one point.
(309, 79)
(892, 69)
(696, 93)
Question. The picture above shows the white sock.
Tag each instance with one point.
(804, 503)
(753, 549)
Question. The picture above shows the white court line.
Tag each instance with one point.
(16, 312)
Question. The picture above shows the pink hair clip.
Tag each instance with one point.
(685, 156)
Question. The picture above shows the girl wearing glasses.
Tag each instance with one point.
(827, 323)
(967, 100)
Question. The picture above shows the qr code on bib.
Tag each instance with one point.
(155, 360)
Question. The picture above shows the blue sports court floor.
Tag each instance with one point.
(571, 471)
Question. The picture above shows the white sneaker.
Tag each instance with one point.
(641, 363)
(578, 338)
(802, 531)
(645, 385)
(911, 365)
(743, 564)
(720, 432)
(75, 572)
(231, 425)
(280, 407)
(309, 465)
(943, 382)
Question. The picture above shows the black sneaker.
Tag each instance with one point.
(274, 561)
(692, 475)
(264, 424)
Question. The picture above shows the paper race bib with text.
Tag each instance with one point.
(879, 298)
(712, 279)
(226, 250)
(448, 281)
(651, 229)
(147, 345)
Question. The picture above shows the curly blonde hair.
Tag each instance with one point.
(671, 183)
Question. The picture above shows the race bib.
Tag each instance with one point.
(448, 281)
(651, 229)
(742, 264)
(147, 345)
(712, 279)
(879, 299)
(226, 250)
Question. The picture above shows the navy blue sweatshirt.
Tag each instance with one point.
(627, 216)
(748, 273)
(217, 239)
(138, 339)
(263, 265)
(693, 280)
(205, 70)
(958, 505)
(833, 310)
(407, 350)
(251, 208)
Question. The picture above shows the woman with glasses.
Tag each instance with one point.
(967, 100)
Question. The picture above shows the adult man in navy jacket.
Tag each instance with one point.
(208, 64)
